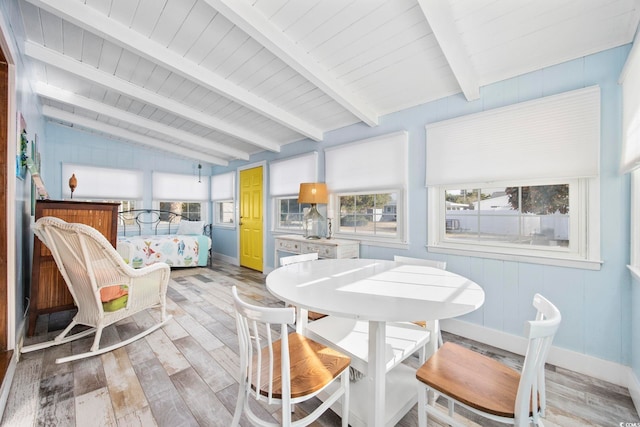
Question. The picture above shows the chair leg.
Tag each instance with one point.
(61, 338)
(96, 340)
(286, 413)
(239, 406)
(112, 347)
(345, 399)
(422, 405)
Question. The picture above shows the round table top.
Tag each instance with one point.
(379, 290)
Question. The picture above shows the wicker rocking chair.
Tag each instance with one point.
(92, 268)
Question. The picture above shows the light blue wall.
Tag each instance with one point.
(27, 104)
(68, 145)
(596, 305)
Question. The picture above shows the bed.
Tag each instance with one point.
(149, 236)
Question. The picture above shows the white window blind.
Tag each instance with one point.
(222, 186)
(286, 175)
(553, 137)
(177, 187)
(374, 163)
(103, 183)
(630, 80)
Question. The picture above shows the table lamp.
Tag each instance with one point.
(313, 193)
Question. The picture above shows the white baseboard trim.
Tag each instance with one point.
(567, 359)
(226, 258)
(634, 389)
(11, 370)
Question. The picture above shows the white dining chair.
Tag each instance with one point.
(442, 265)
(294, 259)
(484, 385)
(285, 369)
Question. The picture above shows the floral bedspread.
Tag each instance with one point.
(173, 249)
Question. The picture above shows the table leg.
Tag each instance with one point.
(377, 371)
(302, 318)
(434, 329)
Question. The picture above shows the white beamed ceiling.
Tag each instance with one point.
(219, 80)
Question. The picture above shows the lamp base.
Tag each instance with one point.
(313, 224)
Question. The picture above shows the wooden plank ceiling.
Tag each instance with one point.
(218, 80)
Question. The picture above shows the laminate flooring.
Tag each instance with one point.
(185, 373)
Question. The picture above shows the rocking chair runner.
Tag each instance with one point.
(88, 263)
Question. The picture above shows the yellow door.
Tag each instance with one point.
(251, 218)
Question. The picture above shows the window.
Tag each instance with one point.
(630, 162)
(224, 212)
(368, 181)
(290, 213)
(191, 210)
(126, 205)
(223, 198)
(368, 214)
(182, 194)
(537, 215)
(285, 177)
(484, 201)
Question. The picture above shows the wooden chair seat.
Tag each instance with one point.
(285, 368)
(484, 385)
(472, 378)
(312, 366)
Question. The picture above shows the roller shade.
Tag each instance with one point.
(286, 175)
(630, 80)
(374, 163)
(178, 187)
(223, 186)
(553, 137)
(102, 183)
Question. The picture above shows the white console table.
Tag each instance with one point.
(325, 248)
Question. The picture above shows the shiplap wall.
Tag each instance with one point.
(595, 304)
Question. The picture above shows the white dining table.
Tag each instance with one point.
(378, 292)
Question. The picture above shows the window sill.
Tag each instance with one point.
(635, 272)
(527, 258)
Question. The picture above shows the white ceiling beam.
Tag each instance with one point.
(87, 18)
(65, 116)
(246, 17)
(64, 96)
(68, 64)
(440, 19)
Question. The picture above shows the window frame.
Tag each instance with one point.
(584, 229)
(277, 226)
(203, 211)
(220, 224)
(397, 241)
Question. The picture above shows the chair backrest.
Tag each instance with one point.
(286, 260)
(85, 258)
(421, 261)
(254, 333)
(540, 332)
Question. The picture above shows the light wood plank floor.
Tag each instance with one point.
(185, 373)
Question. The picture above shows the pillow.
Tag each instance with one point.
(191, 227)
(114, 297)
(109, 293)
(116, 304)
